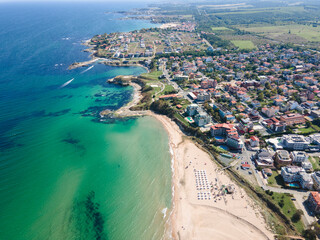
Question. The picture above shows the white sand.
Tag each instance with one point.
(232, 217)
(168, 25)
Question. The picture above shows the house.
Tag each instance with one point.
(254, 141)
(271, 111)
(292, 118)
(275, 125)
(203, 96)
(245, 125)
(192, 95)
(179, 77)
(263, 158)
(223, 129)
(169, 96)
(282, 158)
(315, 113)
(314, 202)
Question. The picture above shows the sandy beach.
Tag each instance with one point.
(168, 25)
(201, 210)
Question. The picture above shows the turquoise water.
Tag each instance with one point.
(294, 185)
(63, 174)
(224, 147)
(218, 138)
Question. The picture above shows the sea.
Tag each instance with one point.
(64, 174)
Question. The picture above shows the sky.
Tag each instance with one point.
(147, 1)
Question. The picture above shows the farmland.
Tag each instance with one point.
(295, 31)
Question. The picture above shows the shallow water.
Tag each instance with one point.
(62, 174)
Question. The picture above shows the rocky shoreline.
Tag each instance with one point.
(126, 111)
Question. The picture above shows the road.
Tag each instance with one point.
(300, 195)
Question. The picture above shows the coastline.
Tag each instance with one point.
(191, 218)
(105, 61)
(234, 217)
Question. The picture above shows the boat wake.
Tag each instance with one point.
(66, 83)
(86, 70)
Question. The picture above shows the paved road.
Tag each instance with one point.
(300, 195)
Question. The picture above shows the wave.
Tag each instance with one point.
(66, 83)
(86, 70)
(164, 212)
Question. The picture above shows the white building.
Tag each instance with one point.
(316, 180)
(234, 142)
(306, 181)
(307, 166)
(298, 157)
(202, 119)
(192, 109)
(295, 142)
(203, 96)
(264, 158)
(291, 173)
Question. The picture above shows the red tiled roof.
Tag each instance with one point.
(316, 197)
(254, 138)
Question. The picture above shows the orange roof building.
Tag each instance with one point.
(314, 201)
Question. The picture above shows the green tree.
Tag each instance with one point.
(267, 85)
(297, 216)
(260, 96)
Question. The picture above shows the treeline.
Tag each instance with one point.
(216, 41)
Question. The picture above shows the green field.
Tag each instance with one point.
(288, 208)
(152, 75)
(306, 130)
(220, 29)
(315, 162)
(275, 180)
(289, 10)
(244, 44)
(306, 32)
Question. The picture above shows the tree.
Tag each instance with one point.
(267, 85)
(297, 216)
(260, 96)
(308, 124)
(309, 234)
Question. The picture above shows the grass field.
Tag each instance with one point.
(288, 208)
(152, 75)
(315, 162)
(290, 10)
(306, 130)
(167, 89)
(306, 32)
(275, 180)
(243, 44)
(220, 29)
